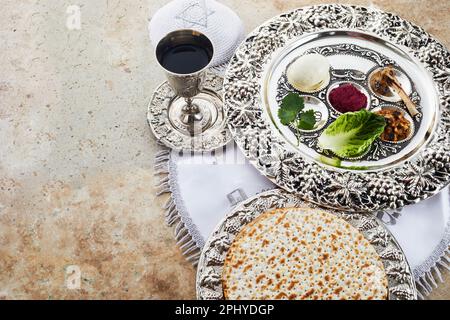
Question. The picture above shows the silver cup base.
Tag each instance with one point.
(208, 106)
(172, 130)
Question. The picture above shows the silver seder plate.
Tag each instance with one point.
(209, 273)
(356, 41)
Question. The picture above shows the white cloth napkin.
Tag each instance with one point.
(218, 22)
(202, 183)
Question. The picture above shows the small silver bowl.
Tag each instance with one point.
(356, 85)
(405, 114)
(391, 96)
(321, 112)
(322, 86)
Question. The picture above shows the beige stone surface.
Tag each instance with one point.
(76, 175)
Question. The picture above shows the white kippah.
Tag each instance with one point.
(218, 22)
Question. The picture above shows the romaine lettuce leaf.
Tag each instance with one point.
(352, 133)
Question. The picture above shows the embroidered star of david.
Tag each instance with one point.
(195, 15)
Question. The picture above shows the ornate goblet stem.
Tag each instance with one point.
(185, 55)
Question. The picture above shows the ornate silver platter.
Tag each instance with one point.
(357, 41)
(157, 116)
(381, 153)
(209, 273)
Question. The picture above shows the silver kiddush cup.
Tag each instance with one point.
(193, 111)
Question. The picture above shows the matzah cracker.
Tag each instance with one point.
(302, 253)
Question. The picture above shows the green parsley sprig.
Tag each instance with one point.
(291, 111)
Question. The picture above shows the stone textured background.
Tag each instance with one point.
(76, 153)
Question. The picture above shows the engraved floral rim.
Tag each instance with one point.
(401, 283)
(414, 180)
